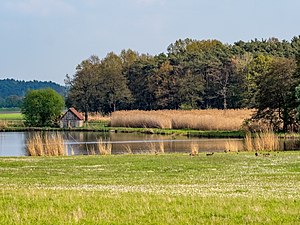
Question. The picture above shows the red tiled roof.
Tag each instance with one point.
(76, 113)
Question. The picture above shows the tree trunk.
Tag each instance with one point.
(86, 116)
(285, 120)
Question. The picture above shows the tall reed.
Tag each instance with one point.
(211, 119)
(98, 117)
(264, 141)
(152, 148)
(3, 124)
(91, 150)
(161, 147)
(156, 147)
(35, 145)
(248, 142)
(194, 148)
(269, 140)
(45, 145)
(104, 148)
(127, 149)
(232, 146)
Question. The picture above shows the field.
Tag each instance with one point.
(11, 119)
(151, 189)
(11, 116)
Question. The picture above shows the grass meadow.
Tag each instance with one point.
(224, 188)
(11, 119)
(11, 116)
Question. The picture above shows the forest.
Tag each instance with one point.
(194, 74)
(13, 91)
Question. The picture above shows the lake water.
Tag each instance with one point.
(84, 143)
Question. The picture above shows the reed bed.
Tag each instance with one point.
(45, 145)
(231, 146)
(211, 119)
(152, 148)
(127, 149)
(194, 148)
(161, 147)
(156, 147)
(248, 143)
(104, 148)
(3, 124)
(98, 117)
(263, 141)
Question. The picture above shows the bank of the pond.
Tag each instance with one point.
(225, 188)
(183, 132)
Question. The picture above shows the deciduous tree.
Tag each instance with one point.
(42, 107)
(276, 99)
(82, 87)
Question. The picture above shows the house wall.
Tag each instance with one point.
(69, 120)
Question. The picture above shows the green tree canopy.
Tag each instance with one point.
(112, 88)
(193, 74)
(42, 107)
(100, 85)
(82, 87)
(276, 97)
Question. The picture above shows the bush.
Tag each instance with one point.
(42, 107)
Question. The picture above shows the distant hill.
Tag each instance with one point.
(11, 87)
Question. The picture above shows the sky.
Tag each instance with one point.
(46, 39)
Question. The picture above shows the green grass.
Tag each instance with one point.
(11, 116)
(102, 127)
(185, 132)
(151, 189)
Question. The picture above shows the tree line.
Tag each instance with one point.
(12, 91)
(194, 74)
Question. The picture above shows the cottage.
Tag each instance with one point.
(71, 118)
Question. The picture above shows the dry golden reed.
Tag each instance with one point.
(104, 148)
(91, 150)
(127, 149)
(45, 145)
(161, 147)
(98, 117)
(263, 141)
(152, 148)
(211, 119)
(194, 148)
(232, 146)
(248, 145)
(3, 124)
(156, 147)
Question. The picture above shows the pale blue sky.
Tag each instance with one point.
(46, 39)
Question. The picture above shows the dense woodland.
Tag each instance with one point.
(194, 74)
(13, 91)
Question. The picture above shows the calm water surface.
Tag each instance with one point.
(84, 143)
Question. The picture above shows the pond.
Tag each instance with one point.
(85, 143)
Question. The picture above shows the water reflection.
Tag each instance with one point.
(12, 144)
(82, 143)
(85, 143)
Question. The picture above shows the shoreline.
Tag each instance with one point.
(181, 132)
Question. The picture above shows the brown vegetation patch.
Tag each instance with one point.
(98, 117)
(45, 145)
(211, 119)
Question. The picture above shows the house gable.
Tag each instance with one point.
(71, 118)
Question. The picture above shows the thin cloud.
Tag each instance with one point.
(40, 7)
